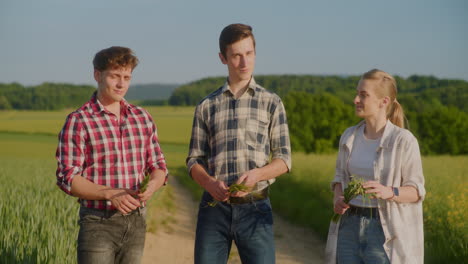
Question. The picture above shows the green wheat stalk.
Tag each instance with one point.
(144, 183)
(233, 188)
(353, 189)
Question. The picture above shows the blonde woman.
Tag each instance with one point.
(389, 227)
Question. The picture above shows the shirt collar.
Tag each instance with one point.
(384, 141)
(252, 87)
(98, 107)
(386, 138)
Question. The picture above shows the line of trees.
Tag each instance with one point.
(436, 109)
(319, 120)
(47, 96)
(319, 107)
(57, 96)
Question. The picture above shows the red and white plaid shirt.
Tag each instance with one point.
(107, 151)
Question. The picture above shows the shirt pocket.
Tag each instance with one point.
(256, 131)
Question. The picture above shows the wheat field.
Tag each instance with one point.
(38, 222)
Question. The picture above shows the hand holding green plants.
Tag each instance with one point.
(232, 189)
(376, 190)
(249, 179)
(150, 185)
(355, 187)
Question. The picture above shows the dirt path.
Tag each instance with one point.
(175, 244)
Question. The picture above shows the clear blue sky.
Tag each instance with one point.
(177, 41)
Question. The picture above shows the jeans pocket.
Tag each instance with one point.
(348, 221)
(141, 220)
(89, 218)
(263, 206)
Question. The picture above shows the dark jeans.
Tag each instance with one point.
(106, 237)
(250, 225)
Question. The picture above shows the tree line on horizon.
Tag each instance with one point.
(323, 108)
(436, 109)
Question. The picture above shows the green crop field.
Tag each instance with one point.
(174, 123)
(305, 197)
(38, 222)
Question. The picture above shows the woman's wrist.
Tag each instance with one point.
(393, 194)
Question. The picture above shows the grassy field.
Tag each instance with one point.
(35, 216)
(38, 221)
(174, 123)
(304, 197)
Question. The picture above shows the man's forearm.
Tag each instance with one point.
(274, 169)
(88, 190)
(200, 175)
(159, 177)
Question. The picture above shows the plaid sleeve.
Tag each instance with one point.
(154, 155)
(70, 153)
(279, 135)
(199, 147)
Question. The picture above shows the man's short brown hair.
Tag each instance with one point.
(232, 34)
(115, 57)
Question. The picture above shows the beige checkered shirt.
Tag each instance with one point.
(231, 136)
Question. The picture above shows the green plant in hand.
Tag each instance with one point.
(232, 189)
(144, 183)
(353, 189)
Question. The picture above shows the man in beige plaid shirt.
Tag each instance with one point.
(239, 135)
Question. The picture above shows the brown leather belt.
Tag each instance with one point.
(251, 197)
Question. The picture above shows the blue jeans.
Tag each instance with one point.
(106, 237)
(360, 240)
(250, 225)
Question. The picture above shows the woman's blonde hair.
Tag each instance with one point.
(387, 86)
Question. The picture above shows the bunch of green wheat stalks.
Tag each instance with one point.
(353, 189)
(233, 188)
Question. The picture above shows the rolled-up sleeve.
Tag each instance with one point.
(340, 166)
(339, 169)
(70, 152)
(154, 155)
(199, 146)
(279, 135)
(411, 171)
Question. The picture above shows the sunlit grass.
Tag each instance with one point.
(38, 222)
(27, 173)
(305, 197)
(174, 123)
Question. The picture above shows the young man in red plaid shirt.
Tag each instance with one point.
(105, 148)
